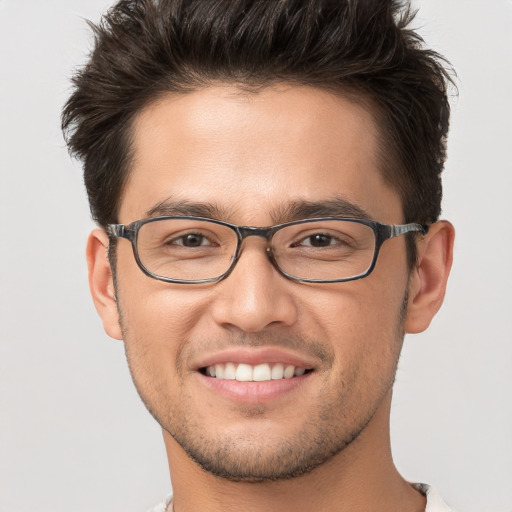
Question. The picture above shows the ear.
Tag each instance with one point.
(101, 282)
(427, 283)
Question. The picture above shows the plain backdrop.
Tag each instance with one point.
(74, 435)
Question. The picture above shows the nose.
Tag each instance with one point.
(255, 295)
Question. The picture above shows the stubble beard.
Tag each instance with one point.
(239, 460)
(326, 434)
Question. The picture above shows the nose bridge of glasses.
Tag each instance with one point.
(265, 233)
(246, 231)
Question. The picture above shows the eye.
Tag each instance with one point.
(191, 240)
(319, 240)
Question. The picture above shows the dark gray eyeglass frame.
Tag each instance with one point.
(382, 233)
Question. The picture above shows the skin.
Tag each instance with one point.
(323, 445)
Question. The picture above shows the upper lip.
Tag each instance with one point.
(255, 356)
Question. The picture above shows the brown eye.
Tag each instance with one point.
(316, 240)
(319, 240)
(192, 240)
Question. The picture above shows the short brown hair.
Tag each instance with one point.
(146, 48)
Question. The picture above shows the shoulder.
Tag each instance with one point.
(434, 502)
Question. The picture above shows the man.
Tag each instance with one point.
(266, 178)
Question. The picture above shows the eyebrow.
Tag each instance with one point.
(294, 210)
(170, 207)
(337, 207)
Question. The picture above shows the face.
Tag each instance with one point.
(249, 159)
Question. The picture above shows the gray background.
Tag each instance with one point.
(73, 433)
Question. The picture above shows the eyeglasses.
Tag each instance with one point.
(191, 250)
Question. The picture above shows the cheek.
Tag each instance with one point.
(159, 322)
(152, 310)
(362, 322)
(362, 310)
(157, 326)
(161, 319)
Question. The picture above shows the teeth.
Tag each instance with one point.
(288, 372)
(219, 371)
(230, 371)
(243, 372)
(259, 373)
(277, 371)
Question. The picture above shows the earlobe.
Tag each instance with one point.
(427, 283)
(101, 282)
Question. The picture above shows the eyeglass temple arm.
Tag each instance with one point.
(120, 231)
(401, 229)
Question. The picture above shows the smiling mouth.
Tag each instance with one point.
(253, 373)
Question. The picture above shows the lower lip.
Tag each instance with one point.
(253, 392)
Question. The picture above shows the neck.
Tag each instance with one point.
(361, 477)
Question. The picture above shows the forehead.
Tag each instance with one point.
(251, 154)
